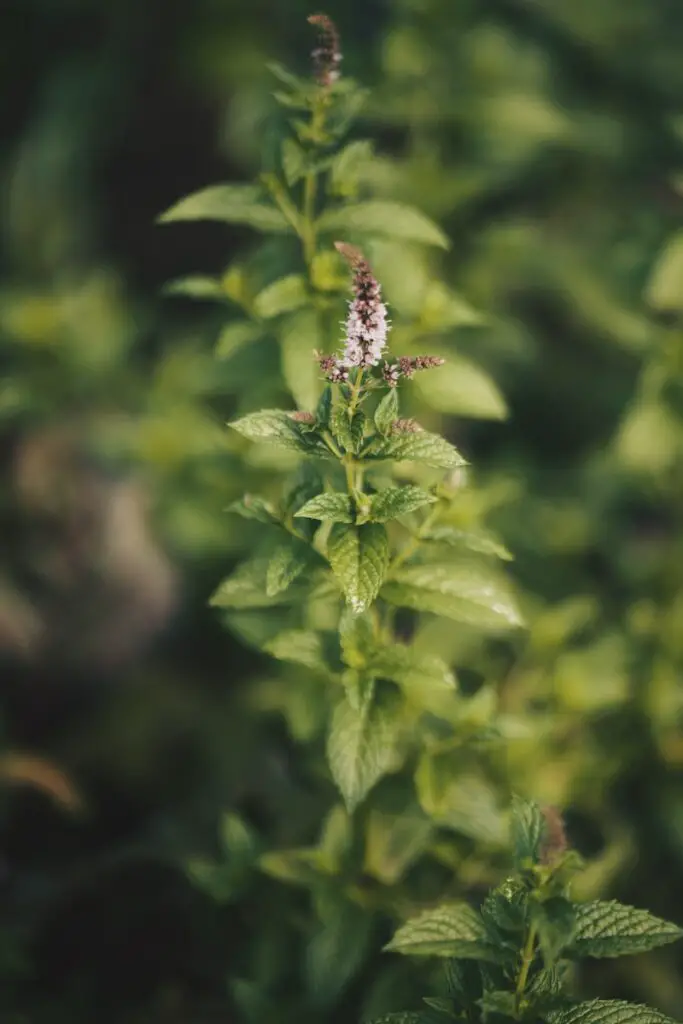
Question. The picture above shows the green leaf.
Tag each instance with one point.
(233, 204)
(450, 930)
(246, 588)
(606, 928)
(277, 427)
(357, 638)
(360, 747)
(393, 842)
(393, 502)
(386, 412)
(500, 1003)
(235, 336)
(286, 563)
(336, 951)
(323, 409)
(359, 556)
(347, 432)
(468, 593)
(466, 803)
(665, 287)
(300, 336)
(528, 830)
(282, 296)
(609, 1011)
(293, 161)
(300, 646)
(504, 909)
(555, 921)
(463, 389)
(347, 166)
(481, 542)
(333, 506)
(382, 217)
(253, 507)
(196, 287)
(425, 678)
(417, 446)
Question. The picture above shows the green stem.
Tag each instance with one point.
(528, 954)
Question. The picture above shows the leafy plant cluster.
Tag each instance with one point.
(513, 960)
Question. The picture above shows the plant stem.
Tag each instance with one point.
(528, 954)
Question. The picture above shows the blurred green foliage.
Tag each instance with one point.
(545, 140)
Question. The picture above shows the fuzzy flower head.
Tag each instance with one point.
(327, 55)
(366, 324)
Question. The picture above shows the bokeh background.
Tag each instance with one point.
(547, 139)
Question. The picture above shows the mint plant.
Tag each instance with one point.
(513, 959)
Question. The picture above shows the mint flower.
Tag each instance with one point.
(327, 56)
(366, 324)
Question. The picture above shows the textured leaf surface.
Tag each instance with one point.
(276, 427)
(451, 930)
(479, 541)
(360, 747)
(468, 593)
(528, 829)
(359, 556)
(286, 563)
(382, 217)
(425, 678)
(420, 446)
(609, 1011)
(606, 928)
(233, 204)
(335, 507)
(397, 501)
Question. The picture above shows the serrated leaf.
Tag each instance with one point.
(393, 502)
(665, 287)
(347, 432)
(499, 1002)
(386, 412)
(232, 204)
(276, 427)
(468, 593)
(504, 908)
(359, 556)
(300, 646)
(481, 542)
(286, 563)
(323, 409)
(333, 506)
(300, 336)
(383, 217)
(282, 296)
(527, 828)
(606, 928)
(463, 389)
(450, 930)
(196, 287)
(360, 747)
(609, 1011)
(417, 446)
(235, 336)
(253, 507)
